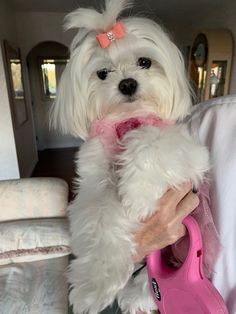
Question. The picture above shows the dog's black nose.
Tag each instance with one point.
(128, 86)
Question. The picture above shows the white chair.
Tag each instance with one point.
(34, 246)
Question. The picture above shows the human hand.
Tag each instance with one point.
(165, 226)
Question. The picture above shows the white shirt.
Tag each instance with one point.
(213, 123)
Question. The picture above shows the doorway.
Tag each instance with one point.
(46, 62)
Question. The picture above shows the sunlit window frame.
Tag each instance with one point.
(40, 62)
(19, 107)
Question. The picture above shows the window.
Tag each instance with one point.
(17, 78)
(217, 79)
(51, 73)
(15, 82)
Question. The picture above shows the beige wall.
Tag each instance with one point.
(36, 27)
(7, 21)
(8, 156)
(222, 15)
(18, 154)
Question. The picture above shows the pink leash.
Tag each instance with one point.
(186, 289)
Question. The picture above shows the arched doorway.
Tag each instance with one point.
(46, 62)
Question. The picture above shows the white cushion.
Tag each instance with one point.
(31, 240)
(34, 288)
(33, 198)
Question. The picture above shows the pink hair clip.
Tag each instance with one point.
(117, 32)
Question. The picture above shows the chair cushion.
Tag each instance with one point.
(33, 198)
(33, 239)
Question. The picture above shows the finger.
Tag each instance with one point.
(168, 202)
(182, 231)
(187, 205)
(173, 196)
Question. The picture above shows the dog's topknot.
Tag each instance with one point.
(93, 20)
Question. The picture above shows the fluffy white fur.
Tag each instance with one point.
(113, 200)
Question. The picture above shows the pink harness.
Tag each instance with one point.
(111, 132)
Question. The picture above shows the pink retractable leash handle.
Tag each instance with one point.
(184, 290)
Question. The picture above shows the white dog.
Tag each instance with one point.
(124, 92)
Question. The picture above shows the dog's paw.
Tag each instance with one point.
(136, 296)
(152, 161)
(93, 286)
(87, 293)
(139, 184)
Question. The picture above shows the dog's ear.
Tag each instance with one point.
(178, 101)
(68, 112)
(181, 88)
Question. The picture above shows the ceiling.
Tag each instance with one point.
(50, 5)
(163, 8)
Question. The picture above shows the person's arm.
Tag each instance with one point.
(165, 226)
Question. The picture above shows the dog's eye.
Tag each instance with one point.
(144, 63)
(102, 74)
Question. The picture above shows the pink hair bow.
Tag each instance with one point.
(117, 32)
